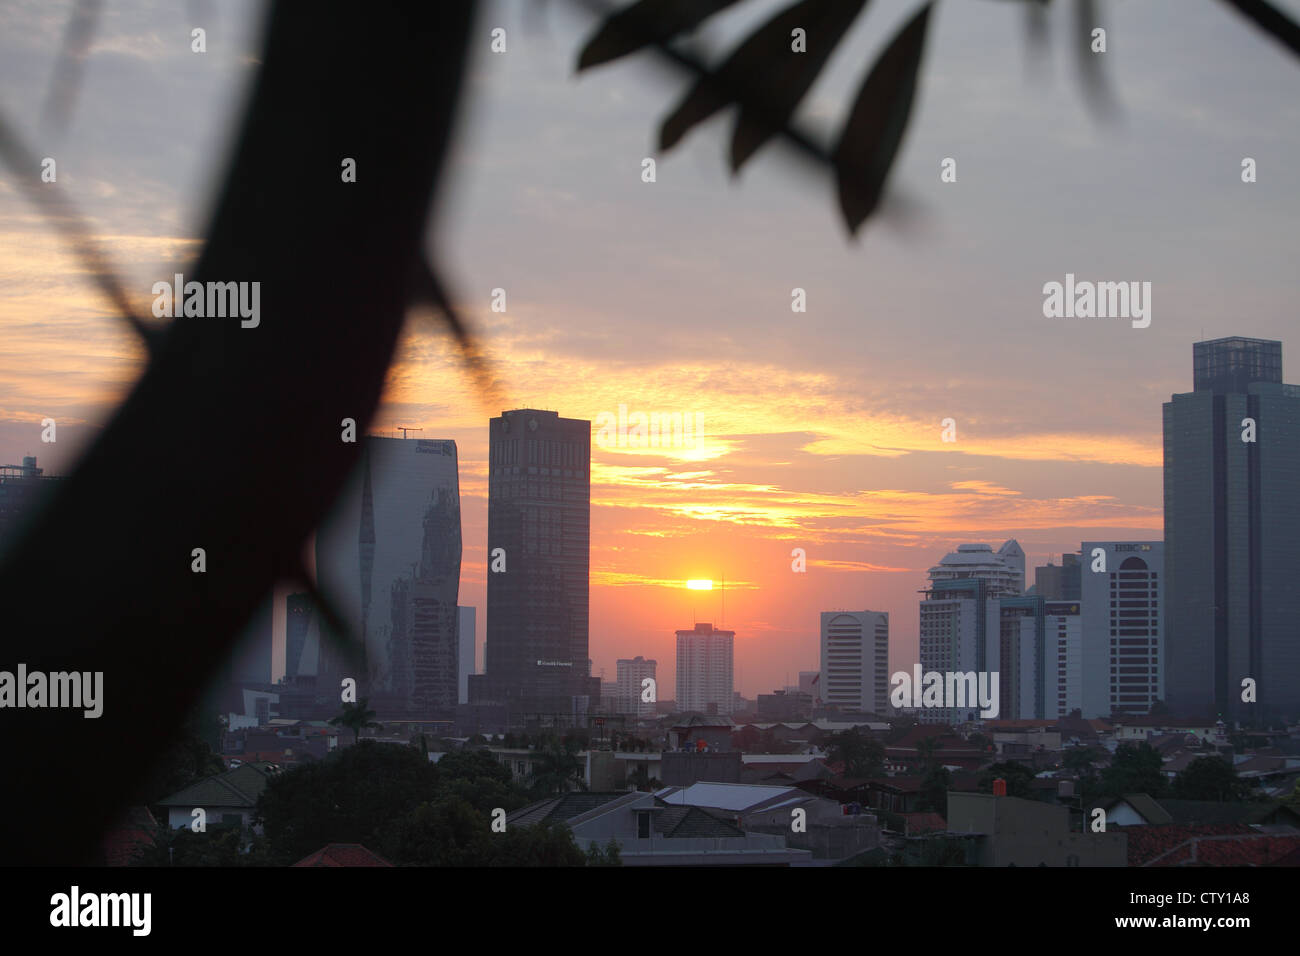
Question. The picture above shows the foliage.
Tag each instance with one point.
(1210, 778)
(356, 718)
(1019, 779)
(1134, 768)
(347, 798)
(862, 755)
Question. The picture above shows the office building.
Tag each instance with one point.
(1123, 615)
(854, 662)
(705, 659)
(961, 617)
(389, 559)
(1063, 666)
(539, 543)
(1232, 522)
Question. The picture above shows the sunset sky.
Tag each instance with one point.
(822, 430)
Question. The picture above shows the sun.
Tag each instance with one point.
(700, 584)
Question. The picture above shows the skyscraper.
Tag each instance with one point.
(705, 661)
(1232, 523)
(1123, 611)
(539, 543)
(961, 618)
(389, 558)
(854, 661)
(297, 623)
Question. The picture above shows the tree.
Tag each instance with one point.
(356, 718)
(1135, 768)
(556, 768)
(934, 790)
(610, 856)
(862, 756)
(188, 760)
(927, 750)
(448, 832)
(1209, 778)
(1019, 779)
(349, 797)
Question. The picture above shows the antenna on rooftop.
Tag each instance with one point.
(404, 429)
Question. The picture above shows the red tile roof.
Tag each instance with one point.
(1228, 844)
(343, 854)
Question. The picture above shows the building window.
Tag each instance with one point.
(643, 824)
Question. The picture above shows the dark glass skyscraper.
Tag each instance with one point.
(539, 531)
(389, 558)
(1232, 534)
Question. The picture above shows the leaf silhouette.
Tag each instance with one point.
(780, 87)
(644, 23)
(875, 126)
(1271, 20)
(746, 76)
(1096, 92)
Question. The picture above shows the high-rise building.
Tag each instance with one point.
(1058, 582)
(855, 662)
(631, 675)
(1123, 618)
(389, 559)
(23, 489)
(1232, 523)
(297, 624)
(250, 660)
(1022, 656)
(539, 543)
(705, 658)
(961, 617)
(467, 656)
(1004, 570)
(1063, 652)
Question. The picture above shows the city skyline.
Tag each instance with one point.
(820, 431)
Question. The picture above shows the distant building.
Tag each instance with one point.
(1063, 667)
(1060, 582)
(961, 618)
(855, 661)
(1022, 678)
(297, 624)
(1232, 520)
(467, 655)
(781, 705)
(23, 490)
(705, 658)
(389, 557)
(1123, 612)
(629, 692)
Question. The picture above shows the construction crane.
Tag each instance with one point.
(404, 430)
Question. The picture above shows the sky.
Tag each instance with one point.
(820, 430)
